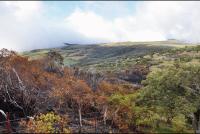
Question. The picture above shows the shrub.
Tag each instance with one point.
(46, 123)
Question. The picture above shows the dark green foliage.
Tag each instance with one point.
(166, 103)
(173, 93)
(185, 59)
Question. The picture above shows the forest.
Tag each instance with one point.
(159, 93)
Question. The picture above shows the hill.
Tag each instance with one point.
(108, 56)
(122, 87)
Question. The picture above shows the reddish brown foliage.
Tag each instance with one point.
(26, 79)
(29, 87)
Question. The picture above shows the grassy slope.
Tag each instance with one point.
(108, 57)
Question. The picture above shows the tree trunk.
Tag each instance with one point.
(114, 115)
(80, 118)
(168, 120)
(105, 115)
(194, 122)
(198, 124)
(95, 123)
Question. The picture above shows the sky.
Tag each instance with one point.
(27, 25)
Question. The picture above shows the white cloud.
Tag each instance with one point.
(24, 25)
(90, 25)
(18, 24)
(23, 9)
(151, 21)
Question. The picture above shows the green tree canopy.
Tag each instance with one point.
(172, 92)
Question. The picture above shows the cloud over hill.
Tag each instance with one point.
(26, 25)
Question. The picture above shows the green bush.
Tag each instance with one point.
(46, 123)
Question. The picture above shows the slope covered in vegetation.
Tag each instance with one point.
(106, 57)
(156, 89)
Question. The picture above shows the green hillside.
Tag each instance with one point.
(110, 56)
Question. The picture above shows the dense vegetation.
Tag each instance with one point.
(154, 90)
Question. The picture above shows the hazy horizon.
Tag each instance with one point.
(27, 25)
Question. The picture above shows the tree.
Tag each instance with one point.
(121, 110)
(54, 61)
(14, 91)
(73, 93)
(82, 97)
(172, 92)
(115, 103)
